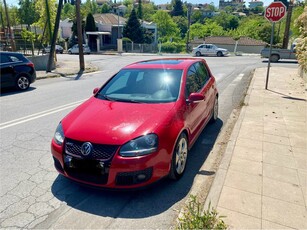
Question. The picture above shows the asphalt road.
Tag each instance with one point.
(33, 195)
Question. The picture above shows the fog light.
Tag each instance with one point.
(141, 177)
(68, 161)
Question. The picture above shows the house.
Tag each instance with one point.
(254, 4)
(244, 44)
(234, 4)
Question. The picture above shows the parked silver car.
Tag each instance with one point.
(58, 49)
(209, 49)
(75, 49)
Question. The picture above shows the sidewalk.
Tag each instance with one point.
(65, 69)
(261, 182)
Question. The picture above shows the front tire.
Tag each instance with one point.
(179, 158)
(197, 54)
(215, 111)
(22, 82)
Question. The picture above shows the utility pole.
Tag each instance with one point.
(48, 20)
(9, 27)
(188, 31)
(79, 31)
(55, 34)
(287, 28)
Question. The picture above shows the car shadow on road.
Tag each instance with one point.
(147, 202)
(282, 62)
(13, 91)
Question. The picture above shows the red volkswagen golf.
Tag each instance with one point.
(139, 126)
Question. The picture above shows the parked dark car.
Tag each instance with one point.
(58, 49)
(16, 71)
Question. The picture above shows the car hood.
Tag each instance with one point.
(110, 122)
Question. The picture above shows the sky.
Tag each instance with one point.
(215, 2)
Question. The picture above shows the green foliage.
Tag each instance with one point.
(172, 47)
(40, 8)
(177, 8)
(133, 29)
(197, 16)
(167, 28)
(149, 9)
(105, 8)
(227, 21)
(90, 24)
(90, 6)
(27, 13)
(28, 35)
(210, 28)
(68, 11)
(182, 24)
(140, 10)
(301, 47)
(195, 218)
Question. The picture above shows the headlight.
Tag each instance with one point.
(59, 135)
(140, 146)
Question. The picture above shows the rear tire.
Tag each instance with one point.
(179, 158)
(22, 82)
(219, 54)
(274, 58)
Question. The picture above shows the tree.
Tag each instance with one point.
(182, 24)
(148, 10)
(167, 28)
(140, 11)
(90, 6)
(40, 8)
(105, 8)
(227, 21)
(177, 8)
(197, 16)
(68, 11)
(27, 13)
(90, 26)
(132, 29)
(210, 28)
(301, 47)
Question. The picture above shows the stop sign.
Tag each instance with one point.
(275, 11)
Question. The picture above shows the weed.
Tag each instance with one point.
(195, 218)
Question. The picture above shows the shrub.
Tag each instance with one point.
(195, 218)
(172, 47)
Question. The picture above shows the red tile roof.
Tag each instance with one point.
(244, 41)
(230, 41)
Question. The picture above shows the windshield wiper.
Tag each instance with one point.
(106, 97)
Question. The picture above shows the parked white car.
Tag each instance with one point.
(209, 49)
(75, 49)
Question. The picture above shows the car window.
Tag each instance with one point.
(143, 85)
(4, 59)
(202, 73)
(193, 83)
(14, 58)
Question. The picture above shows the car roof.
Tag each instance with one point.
(164, 63)
(11, 53)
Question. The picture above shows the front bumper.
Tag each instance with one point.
(116, 172)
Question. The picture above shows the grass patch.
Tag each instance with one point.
(195, 218)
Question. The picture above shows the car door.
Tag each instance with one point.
(194, 109)
(6, 71)
(202, 49)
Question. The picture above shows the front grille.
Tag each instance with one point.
(100, 152)
(131, 178)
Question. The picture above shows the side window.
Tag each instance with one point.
(193, 84)
(202, 73)
(14, 59)
(4, 59)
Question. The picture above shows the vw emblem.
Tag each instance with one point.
(86, 149)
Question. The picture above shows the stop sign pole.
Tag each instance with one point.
(273, 13)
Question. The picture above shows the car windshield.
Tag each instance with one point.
(143, 86)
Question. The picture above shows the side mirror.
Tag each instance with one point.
(95, 90)
(196, 98)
